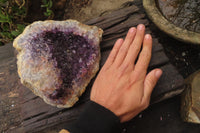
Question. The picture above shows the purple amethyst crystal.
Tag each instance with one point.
(70, 53)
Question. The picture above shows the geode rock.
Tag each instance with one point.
(190, 102)
(57, 59)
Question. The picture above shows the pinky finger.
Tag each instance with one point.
(114, 52)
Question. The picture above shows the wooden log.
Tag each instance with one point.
(22, 111)
(190, 107)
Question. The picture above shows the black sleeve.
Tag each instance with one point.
(96, 119)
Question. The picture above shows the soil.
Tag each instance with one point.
(81, 10)
(87, 9)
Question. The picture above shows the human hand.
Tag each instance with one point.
(123, 85)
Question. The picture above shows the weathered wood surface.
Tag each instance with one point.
(22, 111)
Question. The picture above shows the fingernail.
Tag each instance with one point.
(132, 30)
(148, 36)
(120, 40)
(140, 27)
(158, 73)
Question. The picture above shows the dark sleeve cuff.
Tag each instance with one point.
(96, 119)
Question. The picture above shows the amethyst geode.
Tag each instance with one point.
(57, 59)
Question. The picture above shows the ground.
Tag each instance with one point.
(84, 11)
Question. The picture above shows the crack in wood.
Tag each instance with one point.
(30, 99)
(31, 117)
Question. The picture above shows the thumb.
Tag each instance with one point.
(150, 82)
